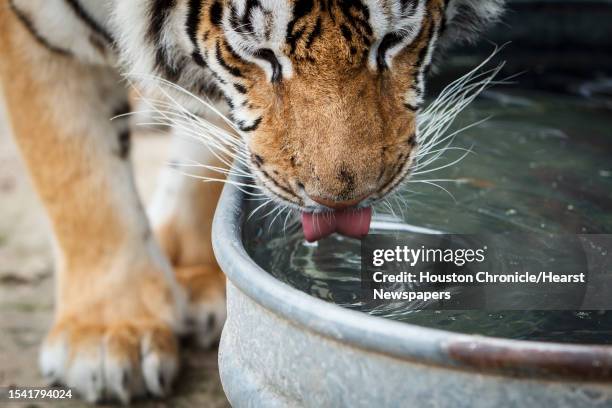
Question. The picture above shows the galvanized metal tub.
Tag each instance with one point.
(283, 348)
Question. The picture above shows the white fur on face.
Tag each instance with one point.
(269, 30)
(389, 16)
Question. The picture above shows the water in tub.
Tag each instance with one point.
(542, 162)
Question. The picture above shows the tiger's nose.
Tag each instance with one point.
(338, 205)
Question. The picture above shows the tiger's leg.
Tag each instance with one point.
(181, 213)
(117, 301)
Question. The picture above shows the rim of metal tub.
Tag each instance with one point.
(517, 358)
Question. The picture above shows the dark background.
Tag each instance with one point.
(548, 42)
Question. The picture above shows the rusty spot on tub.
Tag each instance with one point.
(575, 362)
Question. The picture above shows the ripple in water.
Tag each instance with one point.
(541, 164)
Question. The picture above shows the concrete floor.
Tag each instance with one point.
(26, 283)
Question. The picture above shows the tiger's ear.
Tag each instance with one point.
(465, 19)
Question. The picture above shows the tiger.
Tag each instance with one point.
(322, 96)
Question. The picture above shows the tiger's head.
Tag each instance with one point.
(325, 93)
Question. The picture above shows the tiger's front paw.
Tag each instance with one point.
(111, 361)
(114, 342)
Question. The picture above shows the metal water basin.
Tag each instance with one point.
(283, 348)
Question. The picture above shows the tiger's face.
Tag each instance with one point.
(325, 93)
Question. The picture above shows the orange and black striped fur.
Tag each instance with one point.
(322, 94)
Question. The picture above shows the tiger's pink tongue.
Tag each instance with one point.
(353, 223)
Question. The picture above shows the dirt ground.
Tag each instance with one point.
(26, 283)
